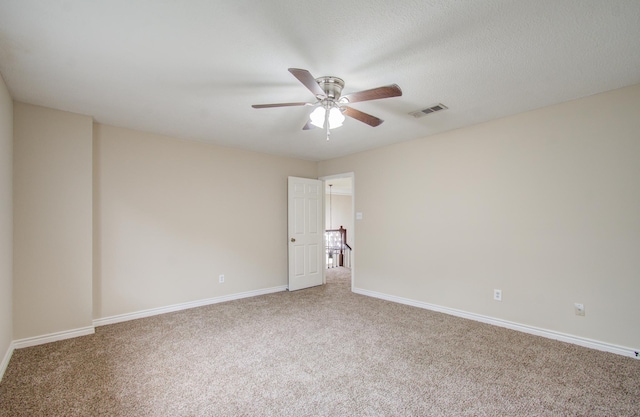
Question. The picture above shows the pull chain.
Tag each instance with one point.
(326, 122)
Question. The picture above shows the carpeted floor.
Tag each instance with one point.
(322, 351)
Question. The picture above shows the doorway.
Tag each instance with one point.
(339, 221)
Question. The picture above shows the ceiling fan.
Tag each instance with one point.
(331, 107)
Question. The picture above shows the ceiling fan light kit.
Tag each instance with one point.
(331, 107)
(321, 115)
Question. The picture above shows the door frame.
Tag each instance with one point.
(325, 179)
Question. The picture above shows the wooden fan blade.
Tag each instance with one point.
(308, 80)
(372, 121)
(266, 106)
(374, 94)
(308, 126)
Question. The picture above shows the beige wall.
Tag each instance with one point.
(341, 214)
(544, 205)
(173, 215)
(52, 221)
(6, 221)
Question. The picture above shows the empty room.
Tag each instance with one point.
(338, 208)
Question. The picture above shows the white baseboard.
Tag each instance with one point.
(53, 337)
(6, 359)
(550, 334)
(184, 306)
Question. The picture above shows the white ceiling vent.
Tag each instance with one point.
(429, 110)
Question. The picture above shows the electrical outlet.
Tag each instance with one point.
(497, 295)
(221, 279)
(579, 309)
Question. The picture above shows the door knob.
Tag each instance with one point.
(293, 239)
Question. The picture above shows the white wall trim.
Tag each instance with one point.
(6, 359)
(549, 334)
(184, 306)
(53, 337)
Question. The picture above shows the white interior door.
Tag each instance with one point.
(306, 233)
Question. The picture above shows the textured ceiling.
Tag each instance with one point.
(192, 68)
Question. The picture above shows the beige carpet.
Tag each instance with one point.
(323, 351)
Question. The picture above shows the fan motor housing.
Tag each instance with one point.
(332, 86)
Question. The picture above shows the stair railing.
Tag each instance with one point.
(338, 251)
